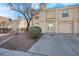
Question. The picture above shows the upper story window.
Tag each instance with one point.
(36, 17)
(65, 13)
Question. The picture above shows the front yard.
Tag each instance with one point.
(18, 42)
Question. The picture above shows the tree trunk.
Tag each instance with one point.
(28, 24)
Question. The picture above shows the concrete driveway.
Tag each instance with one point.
(57, 45)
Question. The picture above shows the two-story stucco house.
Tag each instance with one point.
(59, 20)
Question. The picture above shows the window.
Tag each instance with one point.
(65, 13)
(50, 26)
(37, 17)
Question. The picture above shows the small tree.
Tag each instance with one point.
(25, 9)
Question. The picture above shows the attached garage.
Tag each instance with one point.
(64, 27)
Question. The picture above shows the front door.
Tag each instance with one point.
(51, 27)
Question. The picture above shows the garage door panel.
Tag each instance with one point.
(64, 27)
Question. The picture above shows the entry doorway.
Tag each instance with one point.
(51, 27)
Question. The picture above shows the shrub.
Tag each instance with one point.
(35, 32)
(38, 28)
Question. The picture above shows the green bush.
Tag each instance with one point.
(35, 32)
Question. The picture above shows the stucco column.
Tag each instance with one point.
(56, 26)
(75, 26)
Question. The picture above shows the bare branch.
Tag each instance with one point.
(25, 9)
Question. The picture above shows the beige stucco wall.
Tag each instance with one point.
(22, 24)
(41, 22)
(59, 15)
(51, 14)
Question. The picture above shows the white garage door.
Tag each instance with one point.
(64, 27)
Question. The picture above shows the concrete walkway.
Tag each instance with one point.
(6, 52)
(49, 45)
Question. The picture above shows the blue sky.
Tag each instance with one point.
(6, 12)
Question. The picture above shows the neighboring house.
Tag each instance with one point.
(19, 25)
(4, 23)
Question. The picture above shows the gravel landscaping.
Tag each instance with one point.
(20, 42)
